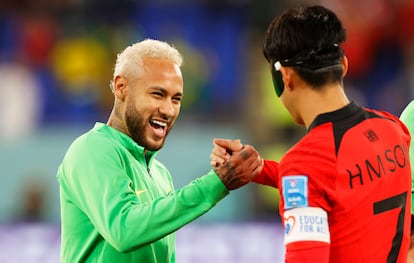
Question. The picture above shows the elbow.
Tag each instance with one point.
(125, 243)
(120, 245)
(123, 246)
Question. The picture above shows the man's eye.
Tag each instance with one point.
(158, 94)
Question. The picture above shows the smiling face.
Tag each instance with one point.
(151, 103)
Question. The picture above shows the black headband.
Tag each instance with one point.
(307, 58)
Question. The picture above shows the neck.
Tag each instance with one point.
(328, 99)
(115, 120)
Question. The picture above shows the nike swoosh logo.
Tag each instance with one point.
(138, 192)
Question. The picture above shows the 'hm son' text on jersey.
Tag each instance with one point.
(383, 164)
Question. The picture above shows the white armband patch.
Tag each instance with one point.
(306, 224)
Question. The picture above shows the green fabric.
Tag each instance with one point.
(407, 117)
(116, 208)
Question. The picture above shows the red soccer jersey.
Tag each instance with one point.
(353, 166)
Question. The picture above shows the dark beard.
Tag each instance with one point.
(136, 127)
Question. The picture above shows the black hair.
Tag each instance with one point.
(307, 39)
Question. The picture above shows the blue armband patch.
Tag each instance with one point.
(295, 191)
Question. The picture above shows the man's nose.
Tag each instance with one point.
(167, 108)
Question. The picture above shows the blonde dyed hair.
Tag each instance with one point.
(131, 57)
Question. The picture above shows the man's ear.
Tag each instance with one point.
(120, 87)
(344, 63)
(287, 77)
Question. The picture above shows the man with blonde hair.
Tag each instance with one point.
(118, 203)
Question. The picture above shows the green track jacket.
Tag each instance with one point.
(407, 117)
(119, 205)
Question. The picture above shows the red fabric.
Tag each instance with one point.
(269, 174)
(307, 252)
(357, 165)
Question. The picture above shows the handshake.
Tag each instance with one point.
(235, 164)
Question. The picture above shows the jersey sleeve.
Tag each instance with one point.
(305, 184)
(308, 253)
(96, 183)
(307, 237)
(269, 174)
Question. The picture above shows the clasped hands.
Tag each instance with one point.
(236, 164)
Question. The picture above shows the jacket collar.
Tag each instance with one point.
(136, 150)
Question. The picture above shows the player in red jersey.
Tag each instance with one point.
(345, 187)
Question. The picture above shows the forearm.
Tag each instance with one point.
(269, 174)
(137, 224)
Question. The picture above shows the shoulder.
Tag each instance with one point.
(406, 120)
(315, 153)
(318, 143)
(384, 114)
(92, 139)
(89, 146)
(89, 154)
(407, 116)
(408, 111)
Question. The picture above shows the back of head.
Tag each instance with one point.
(130, 59)
(307, 39)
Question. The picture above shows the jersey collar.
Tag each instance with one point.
(351, 109)
(136, 150)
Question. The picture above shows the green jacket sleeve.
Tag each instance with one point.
(94, 179)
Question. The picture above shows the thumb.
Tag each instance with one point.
(231, 145)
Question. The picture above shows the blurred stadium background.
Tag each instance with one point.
(56, 59)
